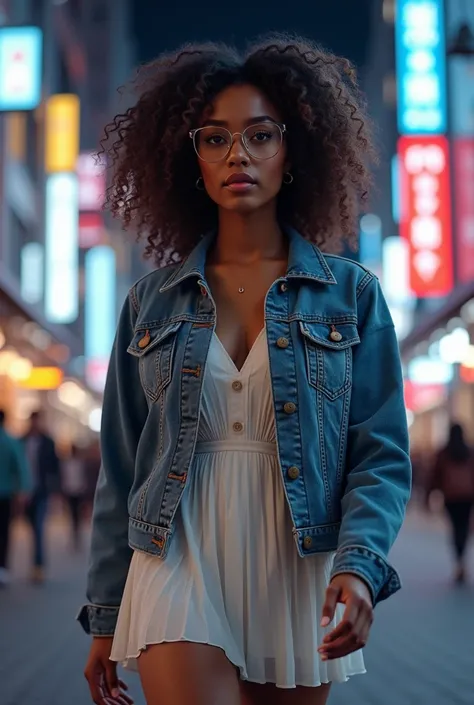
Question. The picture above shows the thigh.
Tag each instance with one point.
(182, 673)
(255, 694)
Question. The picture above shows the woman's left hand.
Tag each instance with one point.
(352, 632)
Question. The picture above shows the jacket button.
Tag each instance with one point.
(335, 336)
(293, 472)
(143, 342)
(238, 427)
(289, 407)
(283, 287)
(307, 542)
(237, 386)
(283, 343)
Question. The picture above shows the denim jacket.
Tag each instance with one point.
(340, 419)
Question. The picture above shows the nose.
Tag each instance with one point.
(237, 155)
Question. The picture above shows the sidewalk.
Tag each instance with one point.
(420, 653)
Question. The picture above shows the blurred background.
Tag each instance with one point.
(66, 266)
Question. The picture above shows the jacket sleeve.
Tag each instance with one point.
(123, 416)
(378, 479)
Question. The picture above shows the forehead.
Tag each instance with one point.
(241, 104)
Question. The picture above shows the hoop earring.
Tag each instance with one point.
(288, 178)
(200, 184)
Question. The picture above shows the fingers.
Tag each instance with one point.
(94, 678)
(111, 680)
(351, 634)
(329, 608)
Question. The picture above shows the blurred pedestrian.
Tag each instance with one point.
(73, 488)
(44, 464)
(15, 483)
(453, 476)
(227, 566)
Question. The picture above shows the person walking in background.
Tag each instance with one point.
(44, 463)
(73, 488)
(15, 483)
(453, 476)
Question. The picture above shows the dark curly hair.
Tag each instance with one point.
(154, 166)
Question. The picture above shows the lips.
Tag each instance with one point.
(239, 178)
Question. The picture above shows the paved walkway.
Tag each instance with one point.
(421, 650)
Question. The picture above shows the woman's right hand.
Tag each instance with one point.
(101, 674)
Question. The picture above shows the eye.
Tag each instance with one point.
(262, 136)
(215, 139)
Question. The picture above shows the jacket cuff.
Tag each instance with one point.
(98, 620)
(382, 580)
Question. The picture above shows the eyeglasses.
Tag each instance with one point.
(261, 141)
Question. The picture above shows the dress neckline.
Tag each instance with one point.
(235, 369)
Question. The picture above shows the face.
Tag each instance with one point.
(242, 181)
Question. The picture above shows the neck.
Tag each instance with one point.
(246, 238)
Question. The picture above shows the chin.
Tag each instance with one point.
(243, 204)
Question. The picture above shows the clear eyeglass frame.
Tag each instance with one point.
(280, 125)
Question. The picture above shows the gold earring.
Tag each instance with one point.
(288, 178)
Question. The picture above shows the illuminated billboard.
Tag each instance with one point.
(463, 165)
(62, 133)
(21, 50)
(421, 67)
(425, 218)
(99, 313)
(62, 251)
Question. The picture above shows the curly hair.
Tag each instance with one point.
(154, 167)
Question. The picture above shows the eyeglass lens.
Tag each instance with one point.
(262, 141)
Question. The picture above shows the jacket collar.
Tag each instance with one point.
(305, 261)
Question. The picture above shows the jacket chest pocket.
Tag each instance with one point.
(329, 356)
(154, 347)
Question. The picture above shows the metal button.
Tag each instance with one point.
(335, 336)
(307, 541)
(143, 342)
(283, 343)
(289, 407)
(237, 386)
(238, 427)
(293, 472)
(284, 287)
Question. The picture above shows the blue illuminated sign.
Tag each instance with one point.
(421, 67)
(21, 50)
(100, 302)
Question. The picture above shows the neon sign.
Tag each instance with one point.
(421, 67)
(426, 214)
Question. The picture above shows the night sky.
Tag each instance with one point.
(340, 25)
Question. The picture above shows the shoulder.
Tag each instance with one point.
(150, 284)
(349, 272)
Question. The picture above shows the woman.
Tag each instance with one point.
(453, 476)
(255, 460)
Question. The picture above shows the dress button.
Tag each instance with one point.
(238, 427)
(289, 407)
(284, 287)
(293, 472)
(283, 343)
(237, 386)
(307, 541)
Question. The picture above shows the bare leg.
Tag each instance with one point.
(182, 673)
(254, 694)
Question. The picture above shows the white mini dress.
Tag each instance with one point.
(233, 577)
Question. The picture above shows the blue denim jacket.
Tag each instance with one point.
(339, 412)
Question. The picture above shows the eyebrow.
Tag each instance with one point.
(251, 121)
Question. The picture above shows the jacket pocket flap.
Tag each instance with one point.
(145, 339)
(337, 337)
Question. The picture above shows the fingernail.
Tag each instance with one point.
(325, 621)
(324, 657)
(115, 692)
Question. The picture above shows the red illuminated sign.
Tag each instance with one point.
(426, 213)
(420, 397)
(464, 180)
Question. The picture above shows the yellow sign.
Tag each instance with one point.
(43, 378)
(62, 133)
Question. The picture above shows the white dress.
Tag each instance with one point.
(233, 577)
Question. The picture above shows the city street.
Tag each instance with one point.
(420, 653)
